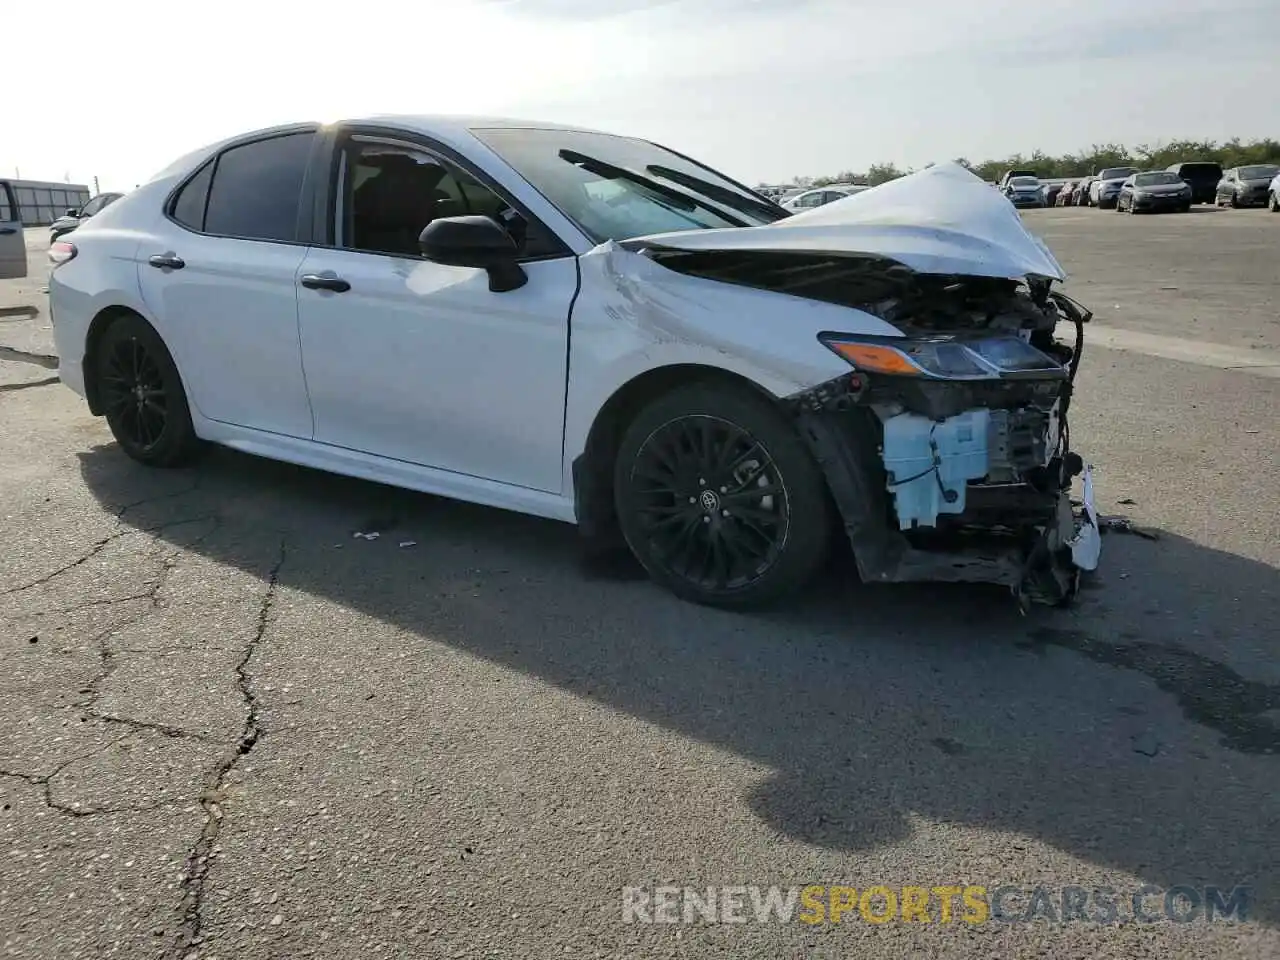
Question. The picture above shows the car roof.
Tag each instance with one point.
(454, 130)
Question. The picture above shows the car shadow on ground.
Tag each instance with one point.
(872, 706)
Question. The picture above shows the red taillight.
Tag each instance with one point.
(60, 251)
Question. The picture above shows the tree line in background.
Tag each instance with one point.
(1232, 153)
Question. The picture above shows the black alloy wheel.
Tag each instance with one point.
(719, 499)
(133, 393)
(141, 394)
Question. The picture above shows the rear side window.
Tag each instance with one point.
(257, 189)
(189, 204)
(7, 214)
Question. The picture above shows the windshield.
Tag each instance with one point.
(1024, 182)
(1263, 171)
(1151, 179)
(1116, 173)
(616, 188)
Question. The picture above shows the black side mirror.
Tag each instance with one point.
(474, 241)
(72, 212)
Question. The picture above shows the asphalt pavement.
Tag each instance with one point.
(231, 729)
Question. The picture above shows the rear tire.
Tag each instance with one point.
(142, 395)
(719, 499)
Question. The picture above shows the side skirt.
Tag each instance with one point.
(397, 473)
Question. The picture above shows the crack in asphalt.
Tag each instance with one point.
(24, 356)
(108, 656)
(192, 884)
(14, 387)
(101, 544)
(1208, 692)
(45, 782)
(92, 552)
(165, 729)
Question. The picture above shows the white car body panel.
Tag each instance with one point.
(420, 362)
(353, 463)
(233, 307)
(471, 398)
(943, 219)
(634, 316)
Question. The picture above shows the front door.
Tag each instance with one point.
(421, 362)
(13, 246)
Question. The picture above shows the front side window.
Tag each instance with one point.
(390, 193)
(257, 189)
(615, 188)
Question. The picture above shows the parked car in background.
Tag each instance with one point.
(1065, 195)
(1010, 174)
(13, 245)
(1049, 192)
(1247, 186)
(1202, 175)
(1273, 194)
(1024, 192)
(1106, 188)
(1080, 195)
(73, 218)
(1152, 191)
(820, 196)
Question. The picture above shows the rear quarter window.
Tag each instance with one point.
(188, 206)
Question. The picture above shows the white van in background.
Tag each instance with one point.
(13, 246)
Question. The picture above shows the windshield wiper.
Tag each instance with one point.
(685, 201)
(730, 198)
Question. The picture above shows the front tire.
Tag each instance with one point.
(1273, 202)
(719, 498)
(142, 395)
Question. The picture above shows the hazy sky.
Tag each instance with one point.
(763, 89)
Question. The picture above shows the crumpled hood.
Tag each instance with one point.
(943, 219)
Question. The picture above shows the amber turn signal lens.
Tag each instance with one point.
(877, 359)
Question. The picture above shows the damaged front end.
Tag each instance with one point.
(947, 450)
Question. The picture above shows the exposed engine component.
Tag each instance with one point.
(962, 475)
(913, 302)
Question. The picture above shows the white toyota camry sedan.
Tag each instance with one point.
(600, 330)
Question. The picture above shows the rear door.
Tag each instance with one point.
(13, 247)
(219, 273)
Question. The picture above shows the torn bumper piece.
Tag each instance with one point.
(965, 480)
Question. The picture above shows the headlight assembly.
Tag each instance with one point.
(943, 358)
